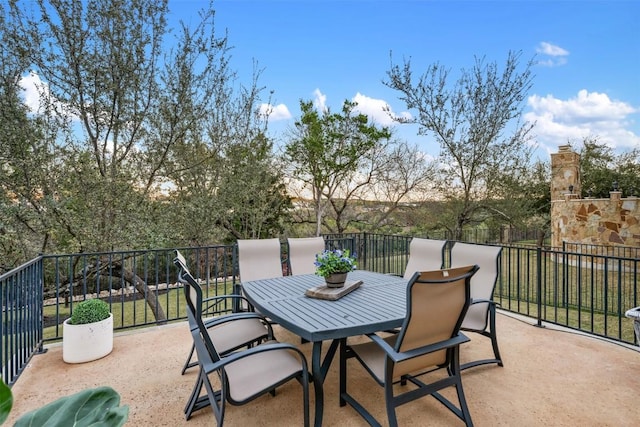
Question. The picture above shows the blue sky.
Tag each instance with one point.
(587, 82)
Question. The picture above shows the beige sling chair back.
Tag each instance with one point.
(427, 343)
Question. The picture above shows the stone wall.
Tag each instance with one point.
(608, 222)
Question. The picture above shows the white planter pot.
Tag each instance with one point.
(84, 343)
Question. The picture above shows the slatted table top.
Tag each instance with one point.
(378, 304)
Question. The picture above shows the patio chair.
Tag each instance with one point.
(428, 343)
(258, 259)
(302, 254)
(243, 375)
(424, 255)
(481, 317)
(229, 331)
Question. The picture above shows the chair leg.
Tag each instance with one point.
(455, 370)
(463, 406)
(190, 407)
(390, 404)
(304, 382)
(188, 364)
(217, 400)
(494, 335)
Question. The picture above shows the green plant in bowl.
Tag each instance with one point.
(89, 311)
(334, 261)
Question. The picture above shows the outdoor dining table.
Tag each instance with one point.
(378, 304)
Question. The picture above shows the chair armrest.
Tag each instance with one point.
(233, 357)
(211, 303)
(232, 317)
(484, 301)
(381, 343)
(397, 357)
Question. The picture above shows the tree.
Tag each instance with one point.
(227, 181)
(327, 150)
(386, 170)
(252, 197)
(391, 174)
(601, 167)
(470, 120)
(23, 149)
(98, 63)
(116, 111)
(125, 118)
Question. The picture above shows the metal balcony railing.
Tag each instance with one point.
(586, 289)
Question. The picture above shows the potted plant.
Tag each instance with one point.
(88, 334)
(334, 265)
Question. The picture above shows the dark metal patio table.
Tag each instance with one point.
(378, 304)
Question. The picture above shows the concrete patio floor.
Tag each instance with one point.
(550, 378)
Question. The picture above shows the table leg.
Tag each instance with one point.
(318, 380)
(343, 371)
(319, 370)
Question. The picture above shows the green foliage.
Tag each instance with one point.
(335, 261)
(600, 167)
(469, 119)
(251, 200)
(89, 311)
(92, 407)
(139, 137)
(326, 152)
(6, 401)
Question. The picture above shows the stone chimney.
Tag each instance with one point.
(565, 174)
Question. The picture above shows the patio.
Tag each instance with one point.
(550, 377)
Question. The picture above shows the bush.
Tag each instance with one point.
(89, 311)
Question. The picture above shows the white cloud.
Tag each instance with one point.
(32, 85)
(320, 101)
(553, 55)
(588, 114)
(36, 95)
(551, 50)
(275, 112)
(377, 109)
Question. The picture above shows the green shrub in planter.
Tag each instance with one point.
(89, 311)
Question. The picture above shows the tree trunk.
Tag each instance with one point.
(141, 287)
(540, 240)
(318, 217)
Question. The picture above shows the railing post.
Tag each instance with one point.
(365, 248)
(234, 271)
(565, 271)
(539, 286)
